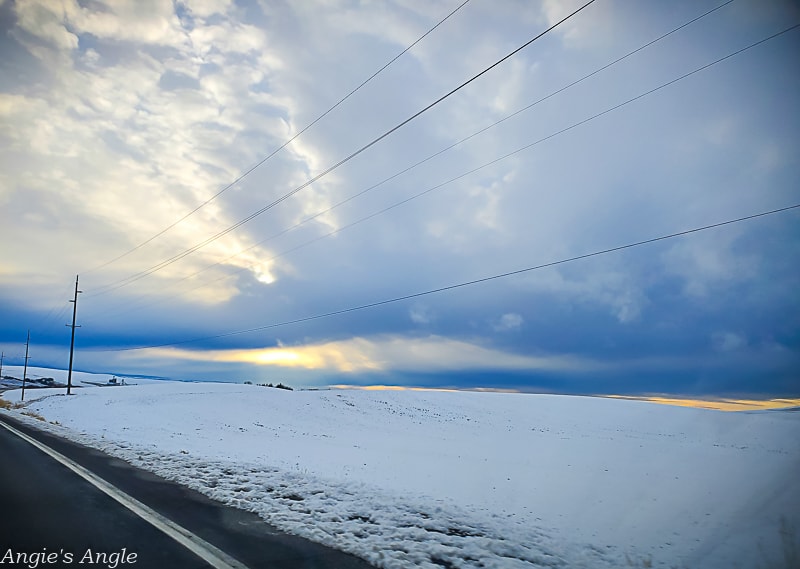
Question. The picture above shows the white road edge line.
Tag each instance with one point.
(207, 552)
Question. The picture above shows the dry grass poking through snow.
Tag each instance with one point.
(8, 405)
(34, 415)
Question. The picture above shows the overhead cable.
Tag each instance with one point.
(457, 285)
(455, 144)
(472, 171)
(281, 147)
(155, 268)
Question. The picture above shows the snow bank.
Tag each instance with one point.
(432, 479)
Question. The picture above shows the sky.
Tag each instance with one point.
(121, 121)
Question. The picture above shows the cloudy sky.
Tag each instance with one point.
(120, 118)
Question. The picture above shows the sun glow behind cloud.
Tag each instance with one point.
(151, 129)
(384, 353)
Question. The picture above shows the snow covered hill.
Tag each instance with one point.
(456, 479)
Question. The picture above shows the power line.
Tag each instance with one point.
(281, 147)
(472, 171)
(473, 135)
(509, 154)
(463, 140)
(52, 315)
(137, 276)
(463, 284)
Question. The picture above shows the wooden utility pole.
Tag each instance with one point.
(25, 369)
(2, 356)
(74, 302)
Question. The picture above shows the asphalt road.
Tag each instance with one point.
(47, 509)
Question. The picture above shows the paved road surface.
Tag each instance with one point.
(46, 508)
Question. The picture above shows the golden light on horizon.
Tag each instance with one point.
(358, 355)
(716, 404)
(713, 404)
(394, 388)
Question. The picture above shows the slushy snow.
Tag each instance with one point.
(463, 479)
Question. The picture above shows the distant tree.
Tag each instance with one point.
(248, 383)
(279, 386)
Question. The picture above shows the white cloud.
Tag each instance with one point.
(148, 21)
(728, 341)
(589, 27)
(708, 262)
(60, 24)
(509, 321)
(227, 38)
(206, 8)
(45, 20)
(420, 314)
(619, 291)
(111, 117)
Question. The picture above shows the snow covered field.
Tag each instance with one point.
(457, 479)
